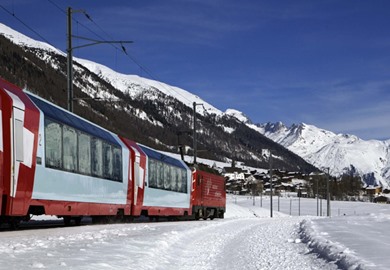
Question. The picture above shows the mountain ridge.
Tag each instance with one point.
(341, 153)
(148, 111)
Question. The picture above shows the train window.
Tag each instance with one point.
(184, 182)
(97, 157)
(19, 153)
(173, 178)
(152, 173)
(117, 169)
(167, 177)
(67, 148)
(53, 143)
(177, 179)
(160, 175)
(84, 153)
(70, 149)
(179, 182)
(107, 161)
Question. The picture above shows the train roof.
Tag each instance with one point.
(162, 157)
(56, 113)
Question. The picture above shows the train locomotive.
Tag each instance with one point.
(53, 162)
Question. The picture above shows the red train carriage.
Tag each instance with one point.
(208, 198)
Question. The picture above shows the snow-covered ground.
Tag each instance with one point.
(355, 237)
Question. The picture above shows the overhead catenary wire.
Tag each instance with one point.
(25, 24)
(167, 87)
(123, 49)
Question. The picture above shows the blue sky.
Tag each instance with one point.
(325, 63)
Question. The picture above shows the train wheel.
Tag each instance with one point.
(77, 221)
(67, 221)
(14, 224)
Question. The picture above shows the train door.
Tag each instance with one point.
(2, 196)
(138, 180)
(16, 147)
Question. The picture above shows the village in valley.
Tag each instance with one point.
(241, 180)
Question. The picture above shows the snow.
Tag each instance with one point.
(135, 85)
(238, 114)
(338, 152)
(248, 238)
(23, 40)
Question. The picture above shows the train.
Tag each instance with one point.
(54, 162)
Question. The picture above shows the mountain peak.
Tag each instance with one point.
(338, 152)
(273, 127)
(239, 115)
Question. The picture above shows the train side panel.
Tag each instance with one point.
(167, 185)
(19, 132)
(81, 168)
(3, 159)
(208, 195)
(137, 165)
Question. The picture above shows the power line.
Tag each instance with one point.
(26, 25)
(123, 49)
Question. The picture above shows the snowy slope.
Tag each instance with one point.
(136, 85)
(339, 152)
(23, 40)
(131, 84)
(240, 116)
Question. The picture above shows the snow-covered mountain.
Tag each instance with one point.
(131, 84)
(148, 111)
(321, 148)
(339, 152)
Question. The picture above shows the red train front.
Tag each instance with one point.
(208, 196)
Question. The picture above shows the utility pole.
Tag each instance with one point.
(70, 49)
(194, 131)
(270, 181)
(317, 197)
(69, 61)
(328, 195)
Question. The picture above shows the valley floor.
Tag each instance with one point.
(246, 239)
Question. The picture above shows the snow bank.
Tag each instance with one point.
(335, 252)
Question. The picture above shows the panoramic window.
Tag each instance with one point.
(67, 148)
(97, 157)
(152, 173)
(165, 176)
(70, 148)
(53, 143)
(84, 153)
(117, 169)
(107, 161)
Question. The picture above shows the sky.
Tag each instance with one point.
(324, 63)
